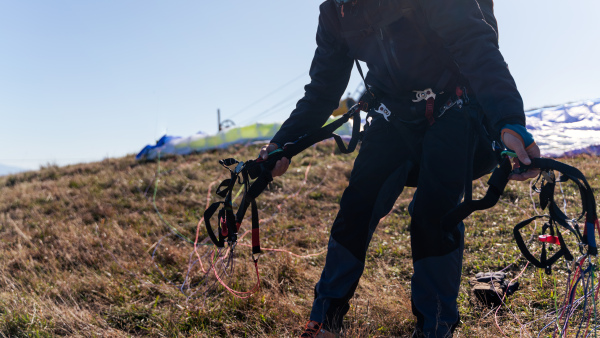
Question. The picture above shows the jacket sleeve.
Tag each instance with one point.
(473, 43)
(329, 72)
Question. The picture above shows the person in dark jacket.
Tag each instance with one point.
(437, 72)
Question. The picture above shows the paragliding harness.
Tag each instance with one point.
(260, 170)
(555, 217)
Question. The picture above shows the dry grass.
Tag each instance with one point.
(84, 253)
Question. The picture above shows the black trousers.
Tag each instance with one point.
(389, 152)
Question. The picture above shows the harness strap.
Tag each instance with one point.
(255, 229)
(498, 182)
(222, 188)
(544, 262)
(208, 213)
(429, 110)
(260, 170)
(367, 100)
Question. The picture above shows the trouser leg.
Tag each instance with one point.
(437, 269)
(361, 207)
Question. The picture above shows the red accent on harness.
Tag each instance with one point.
(224, 230)
(342, 10)
(238, 225)
(429, 110)
(255, 237)
(459, 91)
(549, 239)
(364, 106)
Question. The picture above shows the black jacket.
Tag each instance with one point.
(407, 45)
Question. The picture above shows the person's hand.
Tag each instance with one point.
(524, 155)
(281, 166)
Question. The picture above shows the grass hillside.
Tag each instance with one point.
(91, 250)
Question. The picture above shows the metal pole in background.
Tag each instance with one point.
(224, 124)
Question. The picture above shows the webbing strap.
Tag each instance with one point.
(260, 170)
(219, 242)
(255, 229)
(498, 182)
(222, 188)
(367, 101)
(544, 262)
(429, 110)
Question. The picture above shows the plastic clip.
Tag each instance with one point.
(423, 94)
(239, 167)
(548, 176)
(549, 239)
(383, 110)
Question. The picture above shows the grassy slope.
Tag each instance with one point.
(77, 243)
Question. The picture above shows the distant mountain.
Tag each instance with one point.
(7, 170)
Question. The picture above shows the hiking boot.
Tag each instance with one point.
(315, 330)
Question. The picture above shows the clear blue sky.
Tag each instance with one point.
(85, 80)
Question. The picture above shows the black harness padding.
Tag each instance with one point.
(497, 183)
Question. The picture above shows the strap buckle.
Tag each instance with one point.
(383, 110)
(423, 94)
(549, 239)
(548, 175)
(451, 103)
(459, 99)
(239, 167)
